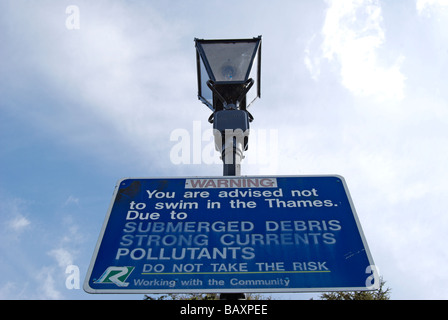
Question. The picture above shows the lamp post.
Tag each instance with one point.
(228, 82)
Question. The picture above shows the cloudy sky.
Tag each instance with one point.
(94, 91)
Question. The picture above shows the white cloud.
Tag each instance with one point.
(71, 200)
(12, 290)
(426, 7)
(353, 35)
(62, 256)
(14, 215)
(312, 62)
(47, 285)
(19, 223)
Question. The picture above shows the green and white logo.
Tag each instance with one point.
(116, 275)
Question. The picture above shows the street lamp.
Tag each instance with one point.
(228, 82)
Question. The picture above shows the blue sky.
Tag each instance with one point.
(356, 88)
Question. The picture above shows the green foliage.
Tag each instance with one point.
(191, 296)
(200, 296)
(381, 293)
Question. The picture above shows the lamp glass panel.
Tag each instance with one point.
(229, 61)
(254, 92)
(205, 93)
